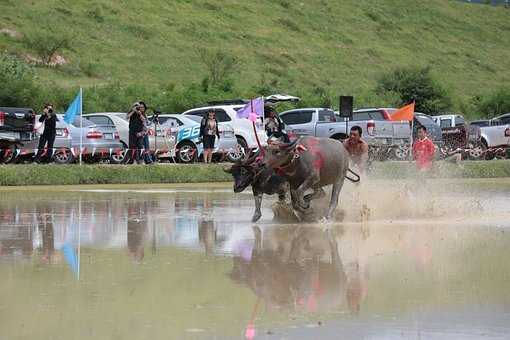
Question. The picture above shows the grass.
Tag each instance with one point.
(34, 174)
(109, 174)
(467, 169)
(342, 46)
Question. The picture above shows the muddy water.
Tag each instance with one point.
(407, 261)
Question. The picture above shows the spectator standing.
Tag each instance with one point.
(423, 150)
(273, 125)
(146, 144)
(47, 139)
(357, 149)
(209, 131)
(136, 132)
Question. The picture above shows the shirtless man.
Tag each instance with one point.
(357, 149)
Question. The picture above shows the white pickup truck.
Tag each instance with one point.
(322, 122)
(497, 134)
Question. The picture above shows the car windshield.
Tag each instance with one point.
(446, 123)
(480, 123)
(424, 120)
(197, 119)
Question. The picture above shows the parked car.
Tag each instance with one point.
(497, 134)
(454, 130)
(118, 120)
(99, 142)
(243, 128)
(323, 122)
(227, 146)
(62, 147)
(173, 131)
(16, 128)
(458, 134)
(373, 113)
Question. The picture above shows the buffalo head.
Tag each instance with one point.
(279, 154)
(243, 173)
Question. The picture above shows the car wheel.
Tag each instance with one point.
(187, 152)
(241, 151)
(476, 152)
(401, 152)
(237, 154)
(63, 156)
(8, 154)
(118, 156)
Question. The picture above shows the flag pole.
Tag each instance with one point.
(81, 126)
(79, 238)
(255, 129)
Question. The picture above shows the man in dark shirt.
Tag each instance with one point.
(136, 128)
(47, 139)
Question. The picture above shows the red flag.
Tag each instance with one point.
(404, 113)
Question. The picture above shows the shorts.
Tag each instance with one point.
(209, 141)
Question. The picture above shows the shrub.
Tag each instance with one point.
(46, 43)
(18, 85)
(415, 84)
(494, 104)
(218, 63)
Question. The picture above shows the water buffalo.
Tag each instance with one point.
(310, 163)
(263, 180)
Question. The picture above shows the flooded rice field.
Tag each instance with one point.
(402, 260)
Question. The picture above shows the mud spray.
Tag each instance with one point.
(418, 198)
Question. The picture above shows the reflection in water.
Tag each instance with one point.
(48, 242)
(136, 229)
(297, 267)
(270, 275)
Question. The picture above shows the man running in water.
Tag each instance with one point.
(357, 149)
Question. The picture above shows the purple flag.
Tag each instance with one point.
(252, 110)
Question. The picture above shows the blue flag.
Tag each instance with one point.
(70, 248)
(73, 109)
(71, 257)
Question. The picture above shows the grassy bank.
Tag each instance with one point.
(467, 169)
(16, 175)
(32, 174)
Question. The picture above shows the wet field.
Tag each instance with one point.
(402, 261)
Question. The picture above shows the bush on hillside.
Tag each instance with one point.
(494, 104)
(46, 43)
(18, 85)
(218, 63)
(415, 84)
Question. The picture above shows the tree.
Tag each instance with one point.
(218, 63)
(494, 104)
(46, 43)
(416, 84)
(18, 85)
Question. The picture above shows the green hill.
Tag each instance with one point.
(316, 46)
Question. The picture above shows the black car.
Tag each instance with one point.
(16, 127)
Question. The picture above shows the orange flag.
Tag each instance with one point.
(404, 113)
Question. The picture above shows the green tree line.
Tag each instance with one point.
(20, 86)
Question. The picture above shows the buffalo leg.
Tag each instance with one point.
(310, 182)
(318, 193)
(258, 202)
(337, 187)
